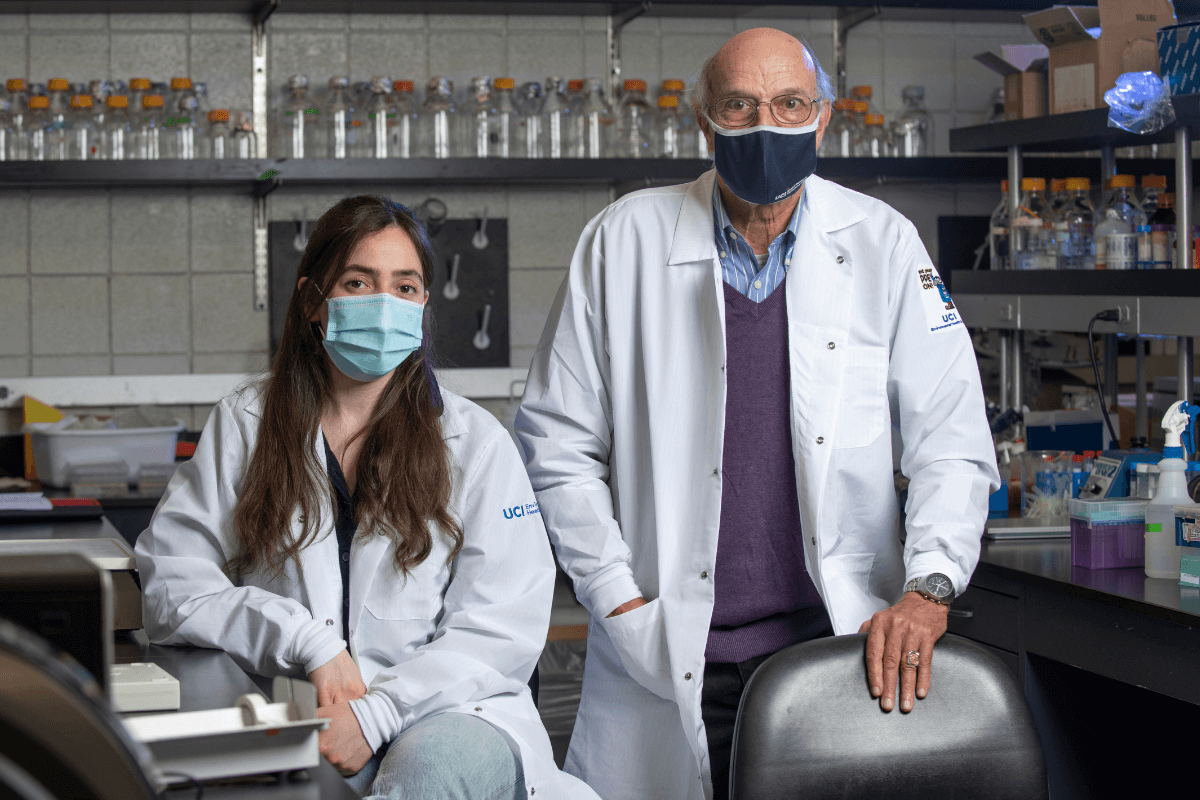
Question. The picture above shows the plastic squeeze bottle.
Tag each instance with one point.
(1162, 554)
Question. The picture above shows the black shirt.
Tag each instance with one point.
(345, 529)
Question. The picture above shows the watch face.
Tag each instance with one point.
(939, 585)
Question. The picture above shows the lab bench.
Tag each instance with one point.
(1107, 659)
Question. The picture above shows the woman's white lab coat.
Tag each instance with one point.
(462, 637)
(623, 424)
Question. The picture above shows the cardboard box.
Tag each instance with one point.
(1091, 47)
(1024, 69)
(1179, 57)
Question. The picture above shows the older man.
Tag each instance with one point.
(708, 426)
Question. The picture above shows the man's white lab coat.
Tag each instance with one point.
(623, 424)
(462, 637)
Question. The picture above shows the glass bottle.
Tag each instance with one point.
(403, 127)
(1056, 199)
(913, 135)
(594, 121)
(80, 131)
(477, 119)
(634, 122)
(838, 141)
(6, 128)
(435, 120)
(219, 137)
(138, 88)
(58, 139)
(1162, 233)
(872, 143)
(1116, 226)
(100, 91)
(299, 123)
(1073, 227)
(116, 136)
(691, 139)
(1033, 227)
(576, 101)
(381, 115)
(35, 126)
(667, 127)
(184, 133)
(556, 119)
(180, 87)
(863, 94)
(1152, 187)
(338, 117)
(149, 128)
(528, 99)
(200, 90)
(244, 140)
(998, 239)
(18, 118)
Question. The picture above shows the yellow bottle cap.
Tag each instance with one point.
(117, 101)
(673, 85)
(57, 84)
(1078, 184)
(1122, 181)
(504, 83)
(180, 83)
(16, 84)
(635, 85)
(860, 107)
(140, 84)
(668, 101)
(152, 101)
(81, 101)
(1033, 184)
(39, 101)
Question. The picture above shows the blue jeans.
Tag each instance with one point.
(443, 757)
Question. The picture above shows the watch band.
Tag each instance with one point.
(917, 585)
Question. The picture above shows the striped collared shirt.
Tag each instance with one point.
(739, 268)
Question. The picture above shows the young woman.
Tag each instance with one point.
(347, 520)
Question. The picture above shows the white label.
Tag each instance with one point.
(940, 313)
(1074, 88)
(1145, 250)
(1121, 250)
(1104, 470)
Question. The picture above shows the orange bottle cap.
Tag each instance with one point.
(673, 85)
(861, 91)
(1154, 181)
(668, 101)
(1058, 184)
(139, 83)
(874, 119)
(117, 101)
(39, 101)
(504, 83)
(575, 85)
(1078, 184)
(81, 101)
(16, 84)
(218, 115)
(152, 101)
(180, 83)
(860, 107)
(57, 84)
(1122, 181)
(1033, 184)
(402, 86)
(844, 104)
(635, 85)
(1166, 200)
(1004, 186)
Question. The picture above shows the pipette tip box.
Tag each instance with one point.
(1106, 534)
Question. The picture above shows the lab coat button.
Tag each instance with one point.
(831, 345)
(704, 574)
(814, 540)
(477, 708)
(840, 259)
(687, 676)
(715, 472)
(820, 440)
(328, 622)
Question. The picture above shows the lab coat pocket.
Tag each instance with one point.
(400, 621)
(639, 638)
(862, 413)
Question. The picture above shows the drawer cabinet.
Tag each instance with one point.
(986, 617)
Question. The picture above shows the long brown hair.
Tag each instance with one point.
(403, 469)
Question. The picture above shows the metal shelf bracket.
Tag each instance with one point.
(616, 21)
(843, 21)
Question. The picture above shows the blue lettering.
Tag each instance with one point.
(508, 513)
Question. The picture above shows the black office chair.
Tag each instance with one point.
(808, 728)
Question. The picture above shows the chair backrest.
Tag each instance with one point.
(808, 728)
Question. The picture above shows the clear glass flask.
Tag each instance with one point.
(1074, 225)
(635, 122)
(595, 122)
(1033, 228)
(35, 126)
(840, 133)
(528, 99)
(138, 88)
(58, 138)
(338, 120)
(1116, 227)
(913, 134)
(245, 140)
(18, 118)
(6, 128)
(873, 140)
(556, 119)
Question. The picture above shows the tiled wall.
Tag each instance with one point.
(160, 282)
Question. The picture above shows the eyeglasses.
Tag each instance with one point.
(741, 112)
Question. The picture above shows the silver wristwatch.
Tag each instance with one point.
(934, 586)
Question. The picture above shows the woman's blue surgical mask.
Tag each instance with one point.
(766, 163)
(368, 336)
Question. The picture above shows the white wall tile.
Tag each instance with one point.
(70, 233)
(387, 22)
(14, 367)
(149, 232)
(78, 57)
(148, 22)
(14, 316)
(160, 56)
(319, 55)
(395, 54)
(70, 316)
(231, 362)
(531, 293)
(150, 314)
(533, 56)
(178, 364)
(13, 22)
(52, 366)
(294, 22)
(223, 315)
(455, 22)
(222, 62)
(682, 55)
(864, 63)
(463, 54)
(61, 22)
(524, 22)
(543, 227)
(973, 82)
(222, 233)
(14, 234)
(595, 55)
(640, 57)
(14, 55)
(220, 22)
(916, 60)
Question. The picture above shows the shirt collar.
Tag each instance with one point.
(723, 227)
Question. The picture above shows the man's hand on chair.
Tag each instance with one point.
(912, 625)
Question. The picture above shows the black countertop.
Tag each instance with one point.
(1047, 563)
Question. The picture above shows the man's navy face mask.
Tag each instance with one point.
(765, 164)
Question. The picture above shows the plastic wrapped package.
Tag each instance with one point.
(1139, 103)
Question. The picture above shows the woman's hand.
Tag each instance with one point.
(343, 744)
(337, 681)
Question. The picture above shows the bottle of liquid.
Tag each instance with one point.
(116, 137)
(1058, 194)
(402, 131)
(435, 121)
(381, 115)
(245, 140)
(18, 118)
(299, 123)
(508, 119)
(341, 134)
(864, 94)
(39, 106)
(100, 91)
(1116, 227)
(1162, 233)
(219, 141)
(913, 134)
(838, 141)
(149, 128)
(1152, 187)
(479, 136)
(635, 122)
(1073, 227)
(1031, 221)
(998, 232)
(184, 133)
(873, 142)
(691, 139)
(200, 90)
(596, 122)
(1162, 554)
(6, 129)
(138, 88)
(81, 134)
(556, 119)
(58, 138)
(667, 127)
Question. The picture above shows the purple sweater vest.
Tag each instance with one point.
(760, 579)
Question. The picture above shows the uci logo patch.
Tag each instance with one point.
(518, 511)
(940, 313)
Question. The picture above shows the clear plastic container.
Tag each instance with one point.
(299, 123)
(528, 100)
(57, 452)
(594, 122)
(667, 127)
(912, 134)
(219, 137)
(1073, 227)
(1107, 534)
(35, 148)
(245, 140)
(998, 238)
(100, 91)
(1116, 226)
(58, 135)
(435, 120)
(138, 88)
(1045, 483)
(402, 130)
(380, 116)
(81, 143)
(556, 119)
(873, 142)
(841, 132)
(635, 122)
(341, 133)
(478, 135)
(149, 128)
(692, 143)
(1034, 245)
(508, 119)
(183, 131)
(18, 119)
(1152, 188)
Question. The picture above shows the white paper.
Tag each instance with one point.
(24, 501)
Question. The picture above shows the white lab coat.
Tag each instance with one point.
(622, 425)
(462, 638)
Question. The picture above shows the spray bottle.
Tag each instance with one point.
(1162, 555)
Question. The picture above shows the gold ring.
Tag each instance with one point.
(912, 659)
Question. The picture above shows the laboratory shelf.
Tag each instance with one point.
(1080, 130)
(1161, 283)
